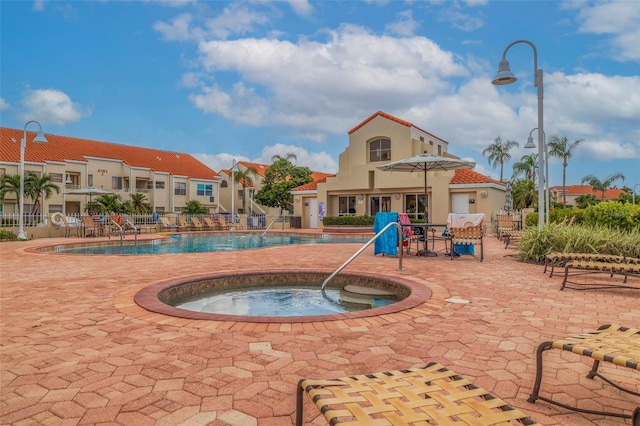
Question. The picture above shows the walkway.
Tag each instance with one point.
(75, 349)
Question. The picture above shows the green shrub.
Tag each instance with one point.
(601, 239)
(622, 216)
(348, 220)
(6, 235)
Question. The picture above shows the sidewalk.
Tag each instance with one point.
(76, 349)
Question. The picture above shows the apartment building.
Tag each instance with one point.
(167, 179)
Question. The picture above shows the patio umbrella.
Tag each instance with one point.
(90, 191)
(508, 199)
(425, 163)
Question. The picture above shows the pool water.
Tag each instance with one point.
(195, 243)
(282, 301)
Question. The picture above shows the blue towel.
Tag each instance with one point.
(387, 243)
(460, 248)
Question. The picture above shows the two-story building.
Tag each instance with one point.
(360, 188)
(167, 179)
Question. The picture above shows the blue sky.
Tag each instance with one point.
(248, 80)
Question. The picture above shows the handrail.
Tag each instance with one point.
(272, 222)
(120, 228)
(135, 230)
(367, 244)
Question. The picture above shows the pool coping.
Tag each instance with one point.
(147, 298)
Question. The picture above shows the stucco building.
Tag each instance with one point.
(167, 179)
(360, 188)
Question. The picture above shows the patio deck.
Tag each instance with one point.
(75, 349)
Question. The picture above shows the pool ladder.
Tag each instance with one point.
(121, 230)
(367, 244)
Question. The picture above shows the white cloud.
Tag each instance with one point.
(180, 28)
(301, 7)
(316, 161)
(404, 25)
(285, 83)
(620, 20)
(38, 5)
(4, 105)
(235, 19)
(52, 106)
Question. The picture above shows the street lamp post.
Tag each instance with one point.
(633, 196)
(234, 168)
(23, 144)
(505, 76)
(531, 144)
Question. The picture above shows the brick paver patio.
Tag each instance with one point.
(76, 349)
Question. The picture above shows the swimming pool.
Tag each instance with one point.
(196, 243)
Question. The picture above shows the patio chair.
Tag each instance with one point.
(504, 223)
(89, 226)
(222, 223)
(165, 225)
(197, 225)
(68, 228)
(183, 223)
(210, 224)
(465, 231)
(407, 231)
(428, 395)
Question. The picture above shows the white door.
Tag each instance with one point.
(459, 203)
(313, 213)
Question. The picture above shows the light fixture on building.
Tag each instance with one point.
(505, 76)
(23, 144)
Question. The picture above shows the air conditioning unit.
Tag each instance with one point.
(212, 199)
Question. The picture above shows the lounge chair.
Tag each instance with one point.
(165, 225)
(183, 223)
(68, 229)
(431, 394)
(222, 224)
(610, 343)
(210, 223)
(199, 226)
(89, 227)
(504, 223)
(407, 231)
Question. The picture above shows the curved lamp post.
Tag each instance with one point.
(234, 168)
(633, 197)
(505, 76)
(531, 144)
(23, 144)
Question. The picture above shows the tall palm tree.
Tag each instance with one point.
(498, 152)
(601, 185)
(106, 203)
(524, 194)
(561, 148)
(244, 178)
(139, 203)
(527, 166)
(35, 187)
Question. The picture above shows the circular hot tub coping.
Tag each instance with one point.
(148, 299)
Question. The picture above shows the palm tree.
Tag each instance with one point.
(139, 203)
(35, 187)
(244, 178)
(524, 194)
(9, 184)
(561, 148)
(106, 203)
(601, 185)
(527, 166)
(498, 152)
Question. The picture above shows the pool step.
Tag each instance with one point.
(365, 296)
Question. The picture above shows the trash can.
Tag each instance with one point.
(295, 222)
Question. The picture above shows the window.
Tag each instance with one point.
(223, 184)
(55, 177)
(205, 190)
(149, 184)
(380, 203)
(1, 208)
(180, 188)
(3, 171)
(159, 184)
(55, 208)
(414, 206)
(379, 150)
(116, 182)
(347, 205)
(89, 180)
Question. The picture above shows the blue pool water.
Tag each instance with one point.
(195, 243)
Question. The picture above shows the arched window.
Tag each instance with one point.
(379, 150)
(223, 184)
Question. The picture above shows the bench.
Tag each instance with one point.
(625, 267)
(610, 343)
(560, 259)
(511, 235)
(417, 396)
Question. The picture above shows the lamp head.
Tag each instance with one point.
(40, 137)
(504, 75)
(530, 143)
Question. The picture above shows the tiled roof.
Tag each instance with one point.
(609, 194)
(392, 118)
(313, 186)
(261, 169)
(468, 176)
(65, 148)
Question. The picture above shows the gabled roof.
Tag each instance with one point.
(575, 190)
(392, 118)
(468, 176)
(65, 148)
